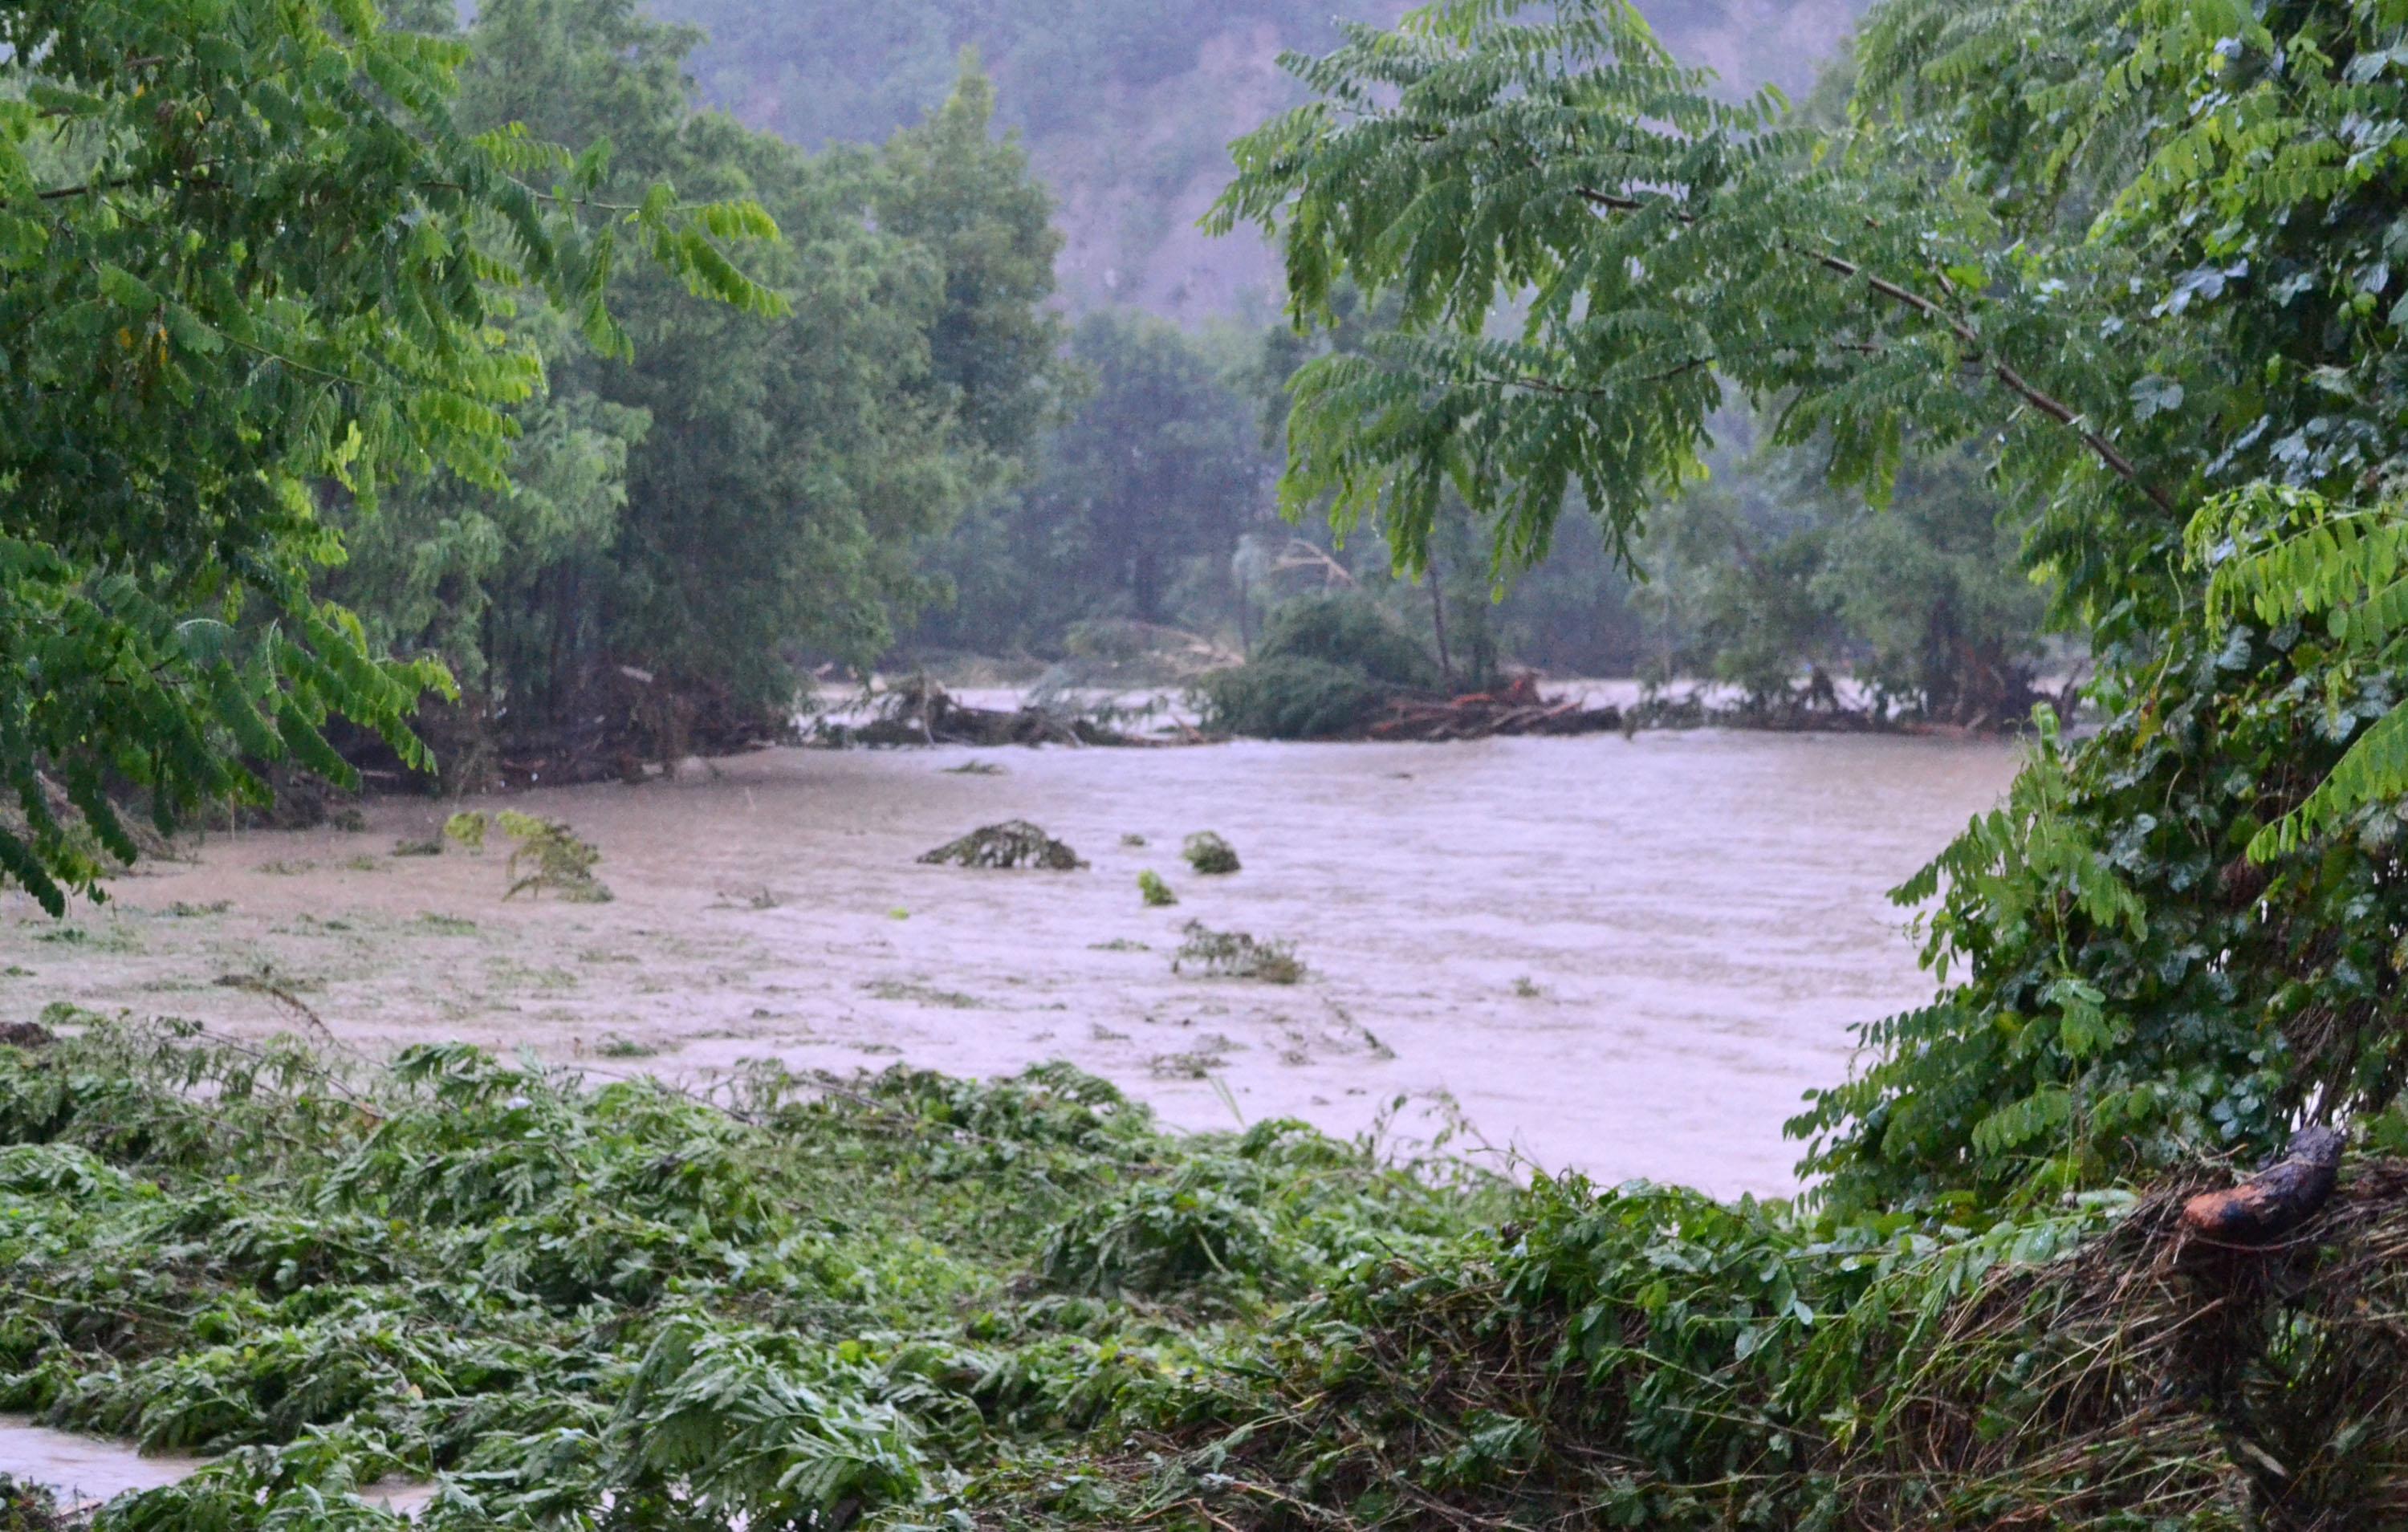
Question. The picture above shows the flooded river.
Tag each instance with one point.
(1628, 957)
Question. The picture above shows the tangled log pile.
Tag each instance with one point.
(920, 712)
(1517, 707)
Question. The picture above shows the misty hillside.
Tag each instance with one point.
(1127, 105)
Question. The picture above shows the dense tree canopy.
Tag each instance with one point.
(245, 248)
(1139, 498)
(741, 494)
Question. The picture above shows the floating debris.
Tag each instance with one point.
(1235, 954)
(1014, 843)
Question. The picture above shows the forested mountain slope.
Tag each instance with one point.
(1127, 105)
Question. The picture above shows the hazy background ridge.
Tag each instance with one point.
(1127, 105)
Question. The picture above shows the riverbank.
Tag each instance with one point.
(907, 1302)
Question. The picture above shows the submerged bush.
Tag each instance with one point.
(1326, 666)
(1209, 854)
(1289, 699)
(1157, 894)
(549, 856)
(1014, 843)
(1350, 630)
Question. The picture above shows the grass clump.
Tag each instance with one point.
(1157, 894)
(1014, 843)
(1236, 954)
(1209, 854)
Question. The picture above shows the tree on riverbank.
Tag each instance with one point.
(1775, 582)
(247, 250)
(741, 494)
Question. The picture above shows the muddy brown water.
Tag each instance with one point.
(1625, 956)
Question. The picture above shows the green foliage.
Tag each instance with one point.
(2284, 557)
(1323, 666)
(683, 528)
(1209, 854)
(1132, 507)
(1289, 699)
(1770, 578)
(249, 250)
(1157, 894)
(1347, 630)
(549, 856)
(467, 830)
(2120, 249)
(812, 1302)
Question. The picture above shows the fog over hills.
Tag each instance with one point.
(1127, 105)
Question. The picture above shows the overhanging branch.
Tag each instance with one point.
(2048, 405)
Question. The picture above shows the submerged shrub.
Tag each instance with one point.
(1156, 893)
(1349, 630)
(550, 856)
(1326, 666)
(1209, 854)
(467, 827)
(1289, 699)
(1014, 843)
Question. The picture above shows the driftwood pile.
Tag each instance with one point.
(1517, 707)
(920, 712)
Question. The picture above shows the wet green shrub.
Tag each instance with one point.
(1163, 1237)
(1350, 631)
(1157, 894)
(550, 856)
(1209, 854)
(816, 1301)
(1290, 698)
(28, 1508)
(1326, 666)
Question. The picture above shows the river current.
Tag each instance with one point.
(1628, 957)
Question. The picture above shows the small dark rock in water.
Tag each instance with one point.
(25, 1034)
(1210, 854)
(1014, 843)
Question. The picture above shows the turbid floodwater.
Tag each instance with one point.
(1625, 956)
